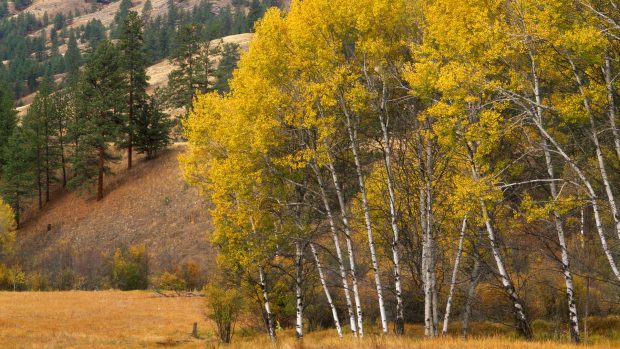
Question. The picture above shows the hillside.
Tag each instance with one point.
(151, 205)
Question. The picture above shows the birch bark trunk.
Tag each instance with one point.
(270, 323)
(457, 261)
(299, 305)
(328, 295)
(599, 154)
(352, 132)
(399, 327)
(573, 320)
(341, 266)
(523, 325)
(612, 104)
(347, 233)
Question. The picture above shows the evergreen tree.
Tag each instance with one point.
(152, 129)
(40, 128)
(8, 118)
(228, 63)
(134, 62)
(17, 175)
(73, 58)
(187, 78)
(119, 18)
(97, 125)
(4, 9)
(147, 11)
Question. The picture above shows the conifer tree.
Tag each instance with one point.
(97, 125)
(73, 58)
(18, 176)
(188, 76)
(8, 117)
(134, 70)
(152, 129)
(228, 63)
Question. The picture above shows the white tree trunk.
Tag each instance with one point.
(522, 322)
(612, 104)
(271, 329)
(599, 154)
(352, 132)
(573, 320)
(457, 261)
(347, 233)
(400, 317)
(341, 266)
(299, 305)
(591, 195)
(326, 290)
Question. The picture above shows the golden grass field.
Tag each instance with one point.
(141, 319)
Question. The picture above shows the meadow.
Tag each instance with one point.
(140, 319)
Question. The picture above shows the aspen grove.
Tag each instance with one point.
(432, 161)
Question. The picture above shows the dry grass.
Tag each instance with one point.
(107, 319)
(114, 319)
(320, 341)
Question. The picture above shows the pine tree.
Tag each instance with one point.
(119, 18)
(97, 124)
(134, 68)
(73, 58)
(187, 78)
(17, 173)
(228, 63)
(152, 128)
(147, 11)
(8, 118)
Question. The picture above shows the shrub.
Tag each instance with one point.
(170, 282)
(130, 268)
(225, 303)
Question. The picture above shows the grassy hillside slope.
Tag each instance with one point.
(150, 205)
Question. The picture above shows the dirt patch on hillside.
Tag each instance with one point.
(150, 205)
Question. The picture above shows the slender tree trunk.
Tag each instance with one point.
(347, 234)
(471, 294)
(271, 329)
(425, 224)
(299, 305)
(341, 266)
(590, 193)
(573, 320)
(39, 179)
(62, 152)
(599, 152)
(130, 125)
(455, 270)
(523, 325)
(47, 158)
(328, 295)
(399, 327)
(366, 207)
(101, 170)
(612, 104)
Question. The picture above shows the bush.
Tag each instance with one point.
(225, 303)
(130, 268)
(170, 282)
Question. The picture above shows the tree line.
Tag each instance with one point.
(71, 133)
(412, 160)
(31, 47)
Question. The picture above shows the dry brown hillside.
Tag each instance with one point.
(150, 205)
